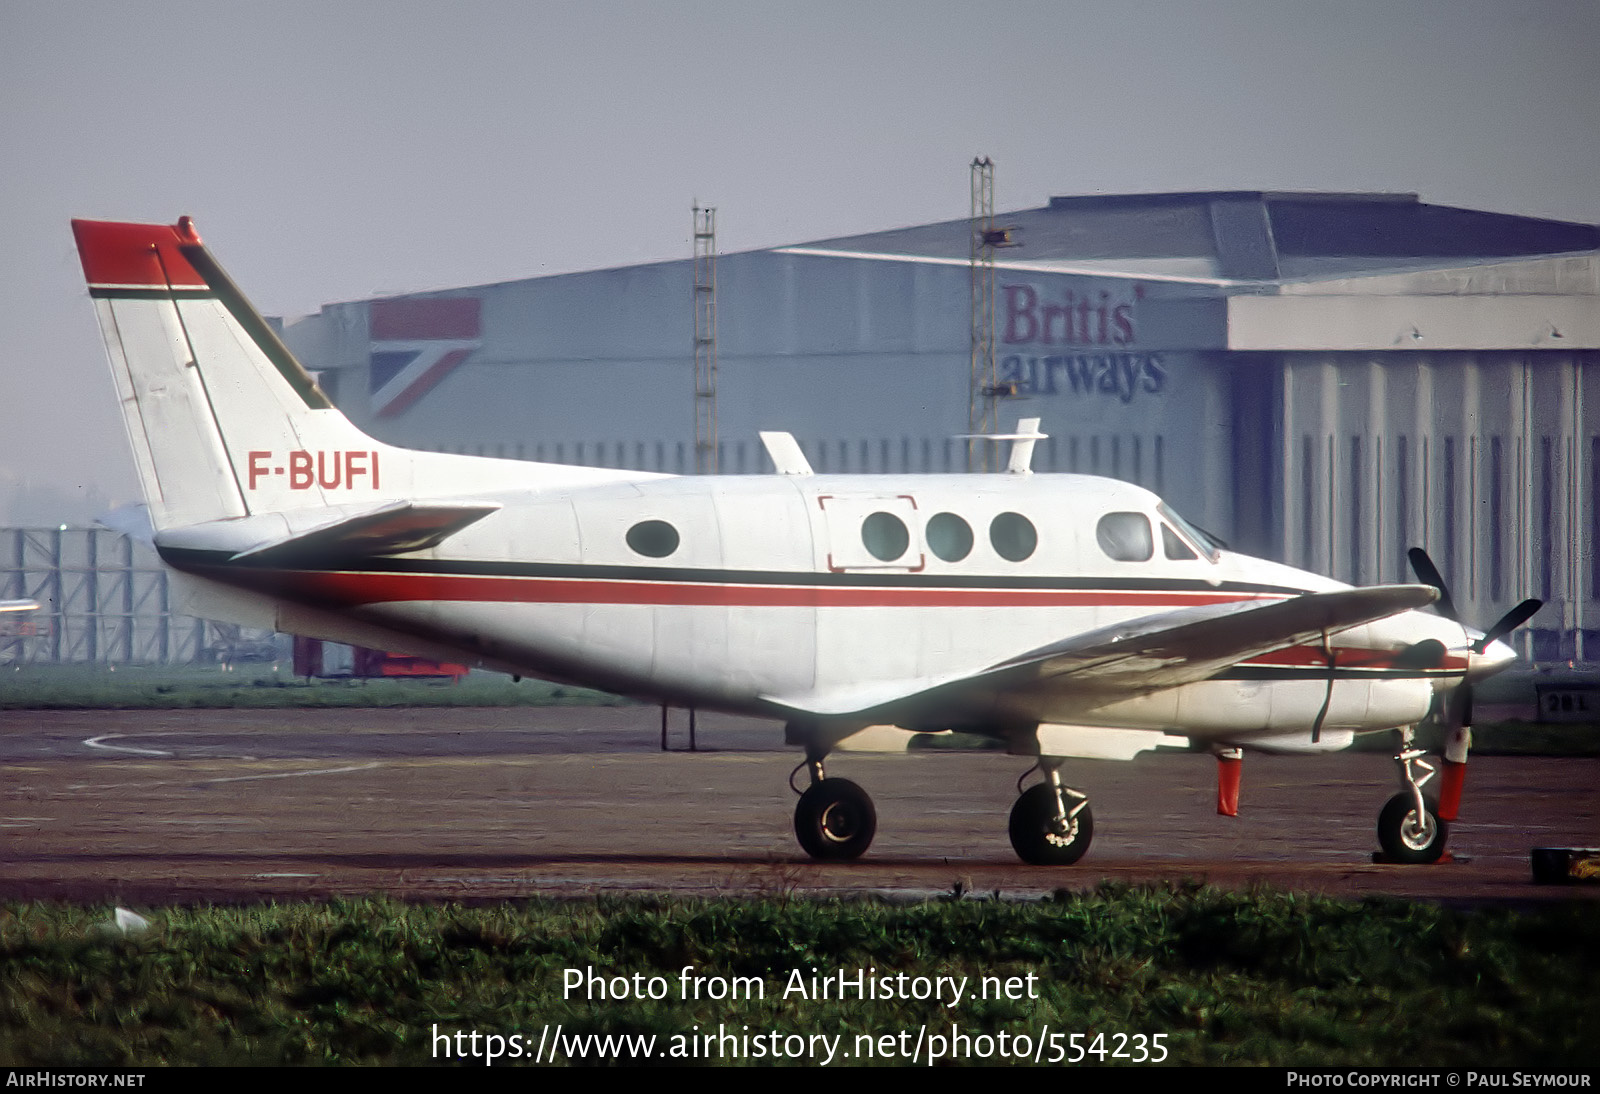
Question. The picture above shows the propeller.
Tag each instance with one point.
(1429, 574)
(1455, 708)
(1509, 622)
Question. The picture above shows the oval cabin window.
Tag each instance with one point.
(885, 537)
(653, 538)
(1013, 536)
(949, 537)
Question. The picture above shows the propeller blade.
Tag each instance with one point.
(1429, 574)
(1455, 707)
(1509, 622)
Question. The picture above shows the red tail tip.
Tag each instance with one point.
(118, 256)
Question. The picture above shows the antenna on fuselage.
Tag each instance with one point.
(1022, 442)
(786, 455)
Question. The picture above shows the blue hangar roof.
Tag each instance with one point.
(1236, 235)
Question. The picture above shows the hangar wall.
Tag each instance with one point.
(1453, 408)
(1324, 379)
(1489, 461)
(865, 362)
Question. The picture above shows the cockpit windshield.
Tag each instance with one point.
(1206, 543)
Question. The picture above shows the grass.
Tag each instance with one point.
(1226, 978)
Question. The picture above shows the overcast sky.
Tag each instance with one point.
(330, 151)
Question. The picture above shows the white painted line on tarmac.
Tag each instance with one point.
(99, 742)
(228, 779)
(295, 774)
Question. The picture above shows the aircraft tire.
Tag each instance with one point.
(835, 819)
(1402, 839)
(1032, 834)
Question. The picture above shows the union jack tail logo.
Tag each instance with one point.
(415, 343)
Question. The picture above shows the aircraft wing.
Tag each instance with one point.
(1151, 653)
(1192, 644)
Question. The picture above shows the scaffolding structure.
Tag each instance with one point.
(103, 598)
(981, 390)
(705, 341)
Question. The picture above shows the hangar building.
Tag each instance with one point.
(1321, 378)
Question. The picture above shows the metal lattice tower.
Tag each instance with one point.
(103, 598)
(981, 397)
(705, 341)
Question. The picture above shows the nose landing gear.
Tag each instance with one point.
(1410, 829)
(1051, 824)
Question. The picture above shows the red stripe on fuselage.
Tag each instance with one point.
(355, 588)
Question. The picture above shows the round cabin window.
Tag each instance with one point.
(653, 538)
(1013, 536)
(885, 536)
(949, 537)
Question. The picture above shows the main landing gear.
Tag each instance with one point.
(1410, 829)
(835, 820)
(1051, 824)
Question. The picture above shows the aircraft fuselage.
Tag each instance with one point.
(747, 593)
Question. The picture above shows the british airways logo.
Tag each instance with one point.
(1084, 319)
(1121, 375)
(1068, 317)
(416, 343)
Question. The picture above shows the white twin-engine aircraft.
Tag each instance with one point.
(1066, 615)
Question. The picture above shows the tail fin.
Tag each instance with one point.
(223, 420)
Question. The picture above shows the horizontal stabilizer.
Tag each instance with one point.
(300, 536)
(132, 521)
(394, 529)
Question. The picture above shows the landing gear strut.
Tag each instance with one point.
(1051, 824)
(834, 819)
(1409, 828)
